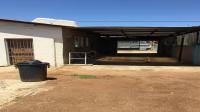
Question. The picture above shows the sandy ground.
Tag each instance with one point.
(117, 89)
(8, 73)
(11, 88)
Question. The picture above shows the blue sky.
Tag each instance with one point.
(153, 10)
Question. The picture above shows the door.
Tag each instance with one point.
(20, 50)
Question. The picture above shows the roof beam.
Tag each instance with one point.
(98, 31)
(123, 32)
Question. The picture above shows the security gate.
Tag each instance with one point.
(20, 50)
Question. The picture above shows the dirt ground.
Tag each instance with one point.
(12, 88)
(8, 73)
(116, 89)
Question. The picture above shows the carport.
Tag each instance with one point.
(176, 45)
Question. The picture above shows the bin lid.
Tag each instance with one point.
(34, 62)
(30, 62)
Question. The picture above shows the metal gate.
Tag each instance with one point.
(20, 50)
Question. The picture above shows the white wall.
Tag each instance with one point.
(47, 41)
(3, 58)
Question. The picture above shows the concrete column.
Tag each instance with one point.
(44, 50)
(59, 56)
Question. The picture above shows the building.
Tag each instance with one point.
(61, 42)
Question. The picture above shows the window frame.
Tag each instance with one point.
(86, 42)
(76, 42)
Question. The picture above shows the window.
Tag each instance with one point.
(76, 42)
(81, 42)
(20, 50)
(87, 42)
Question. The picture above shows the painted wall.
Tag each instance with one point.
(47, 41)
(3, 55)
(190, 53)
(196, 56)
(69, 42)
(187, 54)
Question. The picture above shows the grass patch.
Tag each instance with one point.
(85, 76)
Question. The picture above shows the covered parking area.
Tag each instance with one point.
(125, 45)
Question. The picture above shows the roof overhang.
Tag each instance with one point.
(131, 32)
(127, 32)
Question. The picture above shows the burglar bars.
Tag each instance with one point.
(20, 50)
